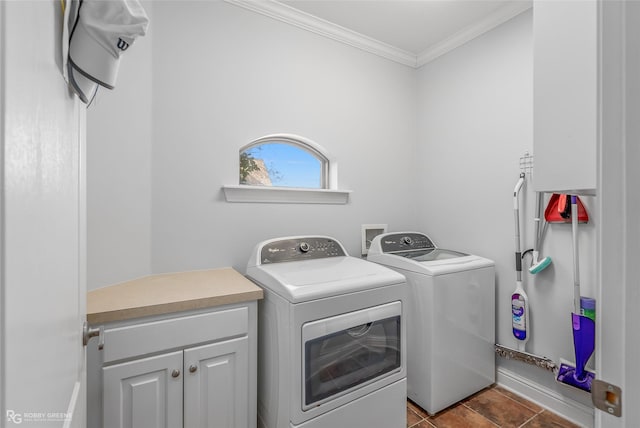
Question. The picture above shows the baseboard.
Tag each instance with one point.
(569, 409)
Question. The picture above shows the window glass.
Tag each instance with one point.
(282, 164)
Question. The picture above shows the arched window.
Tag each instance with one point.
(284, 161)
(285, 168)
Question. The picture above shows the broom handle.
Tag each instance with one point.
(536, 234)
(576, 255)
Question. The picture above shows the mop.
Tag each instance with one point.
(519, 299)
(520, 304)
(583, 327)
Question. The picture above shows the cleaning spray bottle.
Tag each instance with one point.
(520, 316)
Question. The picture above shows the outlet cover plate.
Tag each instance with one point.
(370, 231)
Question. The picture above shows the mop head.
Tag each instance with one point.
(567, 375)
(540, 266)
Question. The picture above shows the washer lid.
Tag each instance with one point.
(415, 252)
(431, 254)
(432, 267)
(301, 281)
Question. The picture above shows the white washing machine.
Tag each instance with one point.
(450, 318)
(331, 337)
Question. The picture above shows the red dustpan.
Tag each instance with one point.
(559, 210)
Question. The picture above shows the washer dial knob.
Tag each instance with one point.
(304, 247)
(407, 240)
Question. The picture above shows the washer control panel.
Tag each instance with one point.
(405, 242)
(303, 248)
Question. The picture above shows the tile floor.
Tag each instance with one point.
(492, 407)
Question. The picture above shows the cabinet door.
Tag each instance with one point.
(216, 385)
(565, 95)
(145, 393)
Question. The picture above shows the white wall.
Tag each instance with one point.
(230, 76)
(475, 122)
(119, 171)
(221, 77)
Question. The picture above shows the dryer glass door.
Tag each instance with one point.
(350, 350)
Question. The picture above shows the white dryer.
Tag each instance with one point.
(331, 337)
(450, 318)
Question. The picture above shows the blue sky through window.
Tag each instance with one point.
(288, 165)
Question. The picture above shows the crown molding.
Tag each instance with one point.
(500, 16)
(290, 15)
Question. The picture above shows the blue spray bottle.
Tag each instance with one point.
(520, 316)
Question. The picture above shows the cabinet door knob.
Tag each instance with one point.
(88, 333)
(175, 373)
(193, 368)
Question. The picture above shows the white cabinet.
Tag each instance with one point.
(145, 393)
(213, 379)
(565, 113)
(201, 386)
(195, 369)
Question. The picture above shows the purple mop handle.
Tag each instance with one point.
(576, 257)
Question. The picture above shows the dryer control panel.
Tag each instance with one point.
(405, 242)
(301, 248)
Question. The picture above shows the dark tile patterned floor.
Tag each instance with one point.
(492, 407)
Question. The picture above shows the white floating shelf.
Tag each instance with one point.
(284, 195)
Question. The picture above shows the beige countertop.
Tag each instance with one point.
(167, 293)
